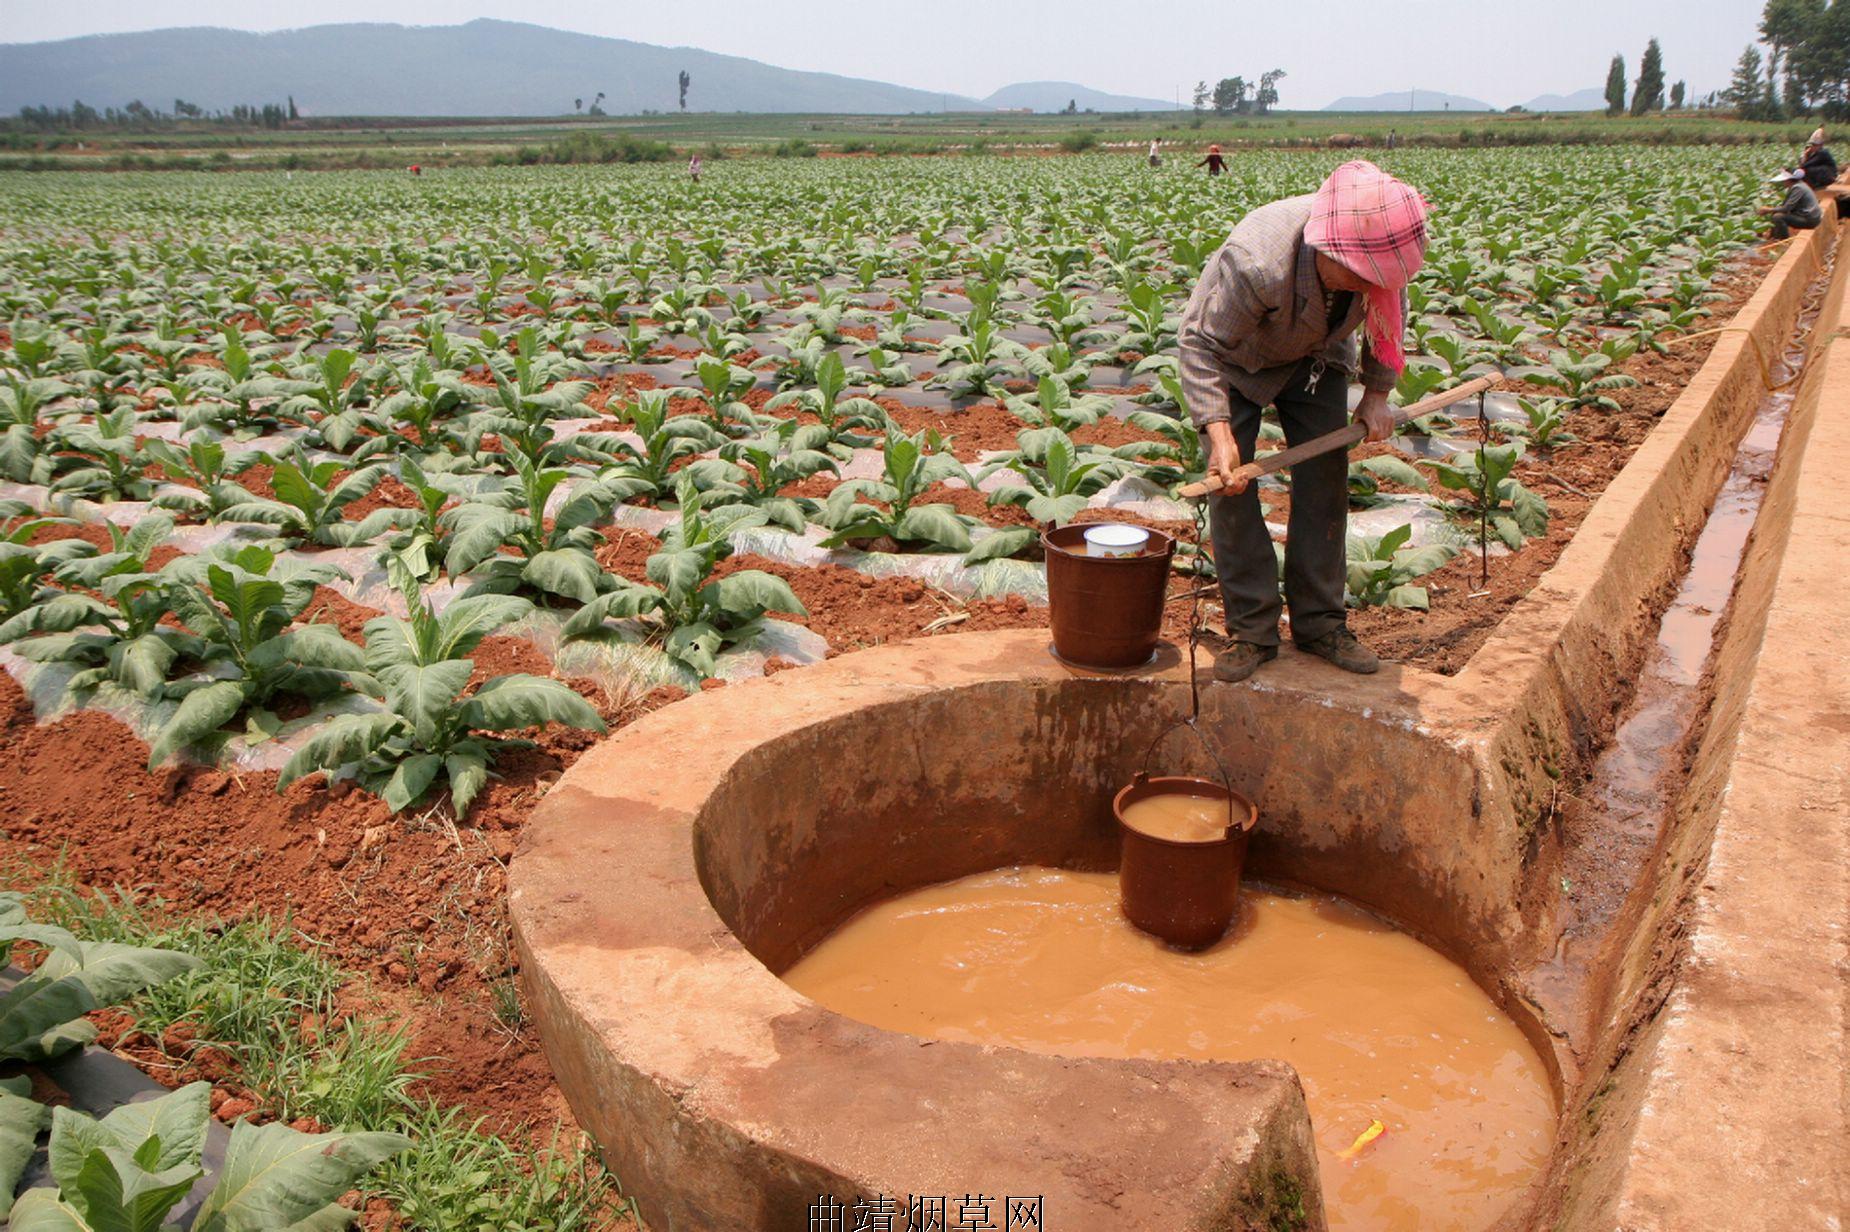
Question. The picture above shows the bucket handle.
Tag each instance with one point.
(1207, 747)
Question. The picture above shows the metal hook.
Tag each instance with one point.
(1226, 780)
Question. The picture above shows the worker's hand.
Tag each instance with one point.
(1376, 415)
(1224, 459)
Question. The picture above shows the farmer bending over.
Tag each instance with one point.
(1800, 210)
(1269, 324)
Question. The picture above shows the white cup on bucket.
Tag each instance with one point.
(1115, 539)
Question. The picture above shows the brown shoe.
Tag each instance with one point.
(1340, 647)
(1241, 660)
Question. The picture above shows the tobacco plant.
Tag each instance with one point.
(104, 617)
(310, 498)
(128, 1170)
(845, 422)
(1058, 478)
(692, 614)
(241, 604)
(503, 535)
(1381, 570)
(24, 567)
(1490, 496)
(434, 726)
(911, 464)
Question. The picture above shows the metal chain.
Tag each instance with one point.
(1194, 608)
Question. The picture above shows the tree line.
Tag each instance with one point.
(1238, 96)
(80, 116)
(1647, 93)
(1806, 67)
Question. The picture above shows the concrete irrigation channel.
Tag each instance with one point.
(1628, 818)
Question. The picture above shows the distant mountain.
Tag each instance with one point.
(1580, 100)
(1410, 100)
(482, 68)
(1055, 95)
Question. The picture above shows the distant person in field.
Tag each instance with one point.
(1271, 323)
(693, 167)
(1213, 162)
(1156, 159)
(1800, 210)
(1816, 163)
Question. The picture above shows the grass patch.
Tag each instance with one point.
(266, 995)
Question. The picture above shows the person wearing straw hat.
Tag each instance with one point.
(1800, 210)
(1272, 323)
(1816, 163)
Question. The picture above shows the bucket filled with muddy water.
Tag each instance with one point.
(1184, 845)
(1106, 584)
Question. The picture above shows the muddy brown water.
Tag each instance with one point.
(1179, 818)
(1378, 1026)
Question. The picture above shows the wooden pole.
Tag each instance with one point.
(1342, 438)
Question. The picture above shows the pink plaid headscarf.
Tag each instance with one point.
(1374, 226)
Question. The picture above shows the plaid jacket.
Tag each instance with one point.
(1258, 311)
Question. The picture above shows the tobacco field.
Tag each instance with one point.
(388, 493)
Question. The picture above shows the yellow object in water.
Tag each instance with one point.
(1375, 1130)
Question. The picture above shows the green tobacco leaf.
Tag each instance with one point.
(753, 591)
(676, 571)
(425, 695)
(1394, 470)
(411, 778)
(275, 1177)
(1417, 562)
(114, 972)
(59, 614)
(321, 646)
(937, 524)
(509, 702)
(464, 624)
(1058, 510)
(142, 663)
(175, 1124)
(468, 771)
(696, 645)
(200, 713)
(1531, 511)
(565, 571)
(1002, 544)
(346, 739)
(38, 1210)
(116, 1174)
(21, 1121)
(620, 604)
(1393, 540)
(34, 1012)
(479, 537)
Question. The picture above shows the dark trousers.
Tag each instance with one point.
(1316, 557)
(1785, 224)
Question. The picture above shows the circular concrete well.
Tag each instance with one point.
(677, 869)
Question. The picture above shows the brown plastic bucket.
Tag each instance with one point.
(1185, 893)
(1106, 611)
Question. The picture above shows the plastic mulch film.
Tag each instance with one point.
(263, 745)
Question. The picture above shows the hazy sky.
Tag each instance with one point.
(1500, 51)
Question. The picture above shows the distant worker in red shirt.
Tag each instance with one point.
(1213, 162)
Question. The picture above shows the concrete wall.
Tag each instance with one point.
(1743, 1074)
